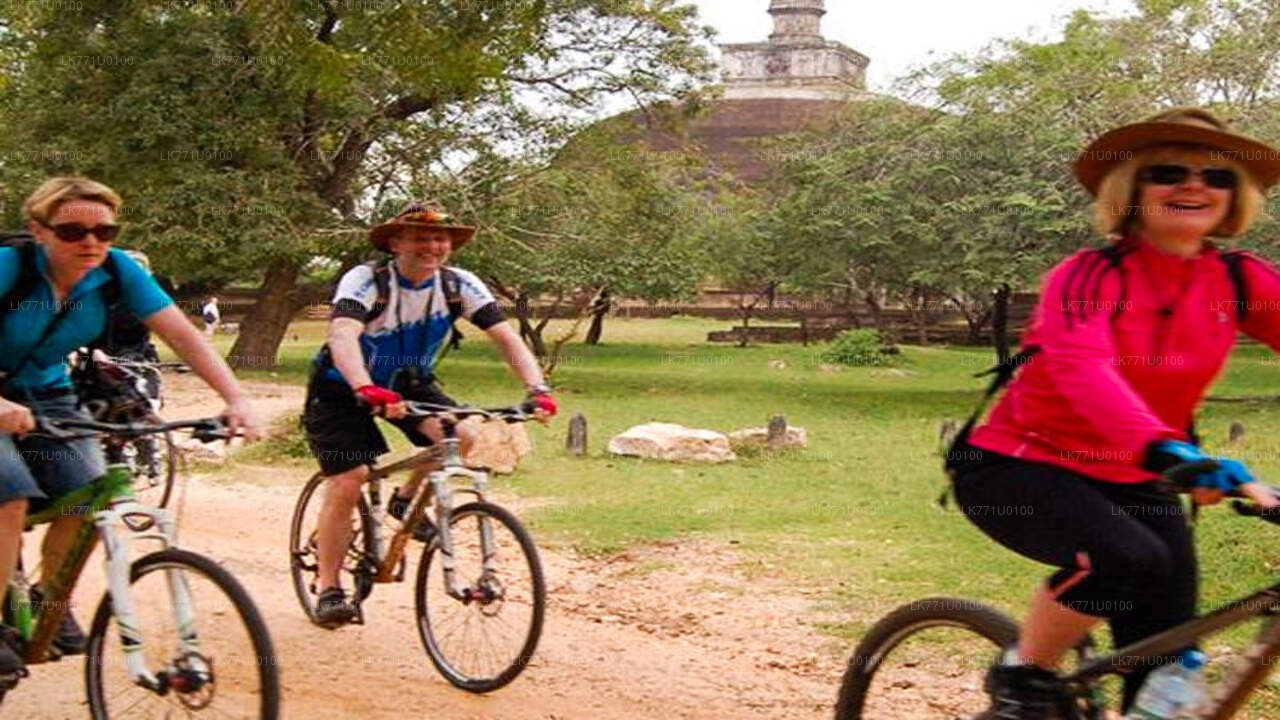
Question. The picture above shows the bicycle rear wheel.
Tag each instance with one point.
(484, 641)
(154, 461)
(925, 661)
(302, 547)
(223, 667)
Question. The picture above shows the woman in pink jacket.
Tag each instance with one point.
(1129, 338)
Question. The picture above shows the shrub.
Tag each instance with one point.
(858, 347)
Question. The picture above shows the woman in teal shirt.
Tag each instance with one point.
(73, 220)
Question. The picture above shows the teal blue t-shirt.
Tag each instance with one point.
(86, 317)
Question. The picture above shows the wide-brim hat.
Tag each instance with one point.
(421, 216)
(1185, 126)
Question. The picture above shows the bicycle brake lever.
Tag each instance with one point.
(210, 431)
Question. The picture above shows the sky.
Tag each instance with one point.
(900, 34)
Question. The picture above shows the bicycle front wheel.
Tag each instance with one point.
(484, 639)
(220, 665)
(925, 661)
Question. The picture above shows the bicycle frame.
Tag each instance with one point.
(437, 486)
(109, 500)
(1235, 690)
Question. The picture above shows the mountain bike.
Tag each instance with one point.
(927, 659)
(479, 618)
(175, 634)
(124, 390)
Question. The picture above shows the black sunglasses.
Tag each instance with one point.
(1217, 178)
(73, 232)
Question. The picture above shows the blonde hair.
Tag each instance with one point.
(56, 191)
(1115, 210)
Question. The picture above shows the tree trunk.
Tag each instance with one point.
(597, 319)
(877, 317)
(1000, 324)
(263, 328)
(530, 335)
(746, 325)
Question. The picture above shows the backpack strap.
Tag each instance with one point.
(110, 294)
(27, 280)
(382, 281)
(1234, 260)
(453, 302)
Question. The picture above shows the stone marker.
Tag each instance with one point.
(577, 442)
(667, 441)
(793, 437)
(777, 431)
(947, 432)
(1236, 433)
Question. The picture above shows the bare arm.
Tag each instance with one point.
(519, 359)
(194, 349)
(344, 346)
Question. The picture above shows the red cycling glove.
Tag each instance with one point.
(378, 397)
(545, 403)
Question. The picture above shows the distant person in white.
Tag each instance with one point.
(211, 316)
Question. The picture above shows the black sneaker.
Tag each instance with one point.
(12, 668)
(1024, 692)
(398, 507)
(332, 609)
(70, 639)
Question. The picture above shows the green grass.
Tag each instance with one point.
(854, 514)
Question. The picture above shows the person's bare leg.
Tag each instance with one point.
(342, 493)
(11, 516)
(1051, 629)
(432, 428)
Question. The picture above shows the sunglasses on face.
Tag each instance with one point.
(74, 232)
(1217, 178)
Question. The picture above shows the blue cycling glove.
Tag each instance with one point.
(1227, 476)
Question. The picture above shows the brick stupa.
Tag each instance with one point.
(795, 80)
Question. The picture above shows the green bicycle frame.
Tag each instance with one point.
(89, 500)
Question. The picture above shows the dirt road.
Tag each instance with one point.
(669, 631)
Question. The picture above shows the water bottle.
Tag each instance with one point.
(1174, 692)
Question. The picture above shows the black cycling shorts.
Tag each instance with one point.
(343, 434)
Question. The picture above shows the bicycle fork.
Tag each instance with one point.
(117, 548)
(444, 510)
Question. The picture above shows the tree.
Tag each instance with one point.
(945, 202)
(602, 219)
(251, 138)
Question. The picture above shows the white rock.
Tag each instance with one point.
(778, 364)
(828, 368)
(498, 446)
(667, 441)
(795, 437)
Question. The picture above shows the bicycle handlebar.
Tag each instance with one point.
(209, 429)
(1181, 479)
(418, 410)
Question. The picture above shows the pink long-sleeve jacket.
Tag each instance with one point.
(1131, 339)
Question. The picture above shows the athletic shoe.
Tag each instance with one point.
(70, 639)
(12, 668)
(398, 507)
(1024, 692)
(332, 609)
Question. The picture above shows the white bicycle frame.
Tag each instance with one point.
(118, 547)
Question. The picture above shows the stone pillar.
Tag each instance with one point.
(796, 21)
